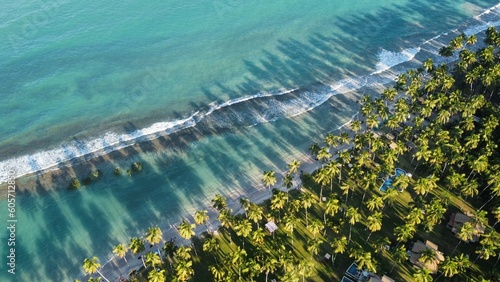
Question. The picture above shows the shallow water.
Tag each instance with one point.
(74, 72)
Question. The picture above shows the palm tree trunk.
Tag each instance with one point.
(321, 194)
(350, 229)
(307, 222)
(368, 236)
(498, 259)
(333, 258)
(456, 247)
(102, 275)
(492, 197)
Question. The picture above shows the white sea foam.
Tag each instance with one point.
(389, 59)
(479, 28)
(296, 105)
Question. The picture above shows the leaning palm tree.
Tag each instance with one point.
(120, 251)
(91, 266)
(186, 230)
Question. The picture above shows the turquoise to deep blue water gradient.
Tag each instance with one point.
(77, 76)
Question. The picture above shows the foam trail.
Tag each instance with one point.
(300, 103)
(388, 59)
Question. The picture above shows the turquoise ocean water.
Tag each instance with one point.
(265, 79)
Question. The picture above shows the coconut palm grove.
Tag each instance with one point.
(409, 191)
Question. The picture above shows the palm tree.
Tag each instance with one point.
(364, 260)
(269, 179)
(415, 216)
(354, 216)
(422, 275)
(313, 246)
(401, 181)
(186, 230)
(184, 270)
(211, 246)
(305, 268)
(252, 268)
(428, 256)
(315, 227)
(201, 217)
(465, 234)
(278, 202)
(243, 229)
(374, 203)
(434, 212)
(152, 259)
(269, 265)
(237, 258)
(219, 202)
(307, 200)
(157, 276)
(287, 181)
(429, 65)
(183, 253)
(217, 271)
(154, 235)
(400, 255)
(293, 167)
(374, 223)
(356, 126)
(314, 149)
(120, 251)
(258, 236)
(332, 206)
(339, 246)
(91, 266)
(449, 267)
(322, 177)
(290, 222)
(404, 232)
(255, 213)
(323, 155)
(136, 245)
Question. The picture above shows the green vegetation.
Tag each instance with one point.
(440, 125)
(75, 184)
